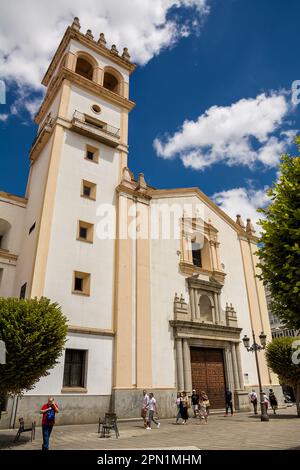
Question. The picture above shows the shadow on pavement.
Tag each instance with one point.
(7, 441)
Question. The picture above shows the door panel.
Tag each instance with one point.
(208, 374)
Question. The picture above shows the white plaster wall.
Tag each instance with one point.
(66, 254)
(82, 101)
(166, 279)
(14, 213)
(101, 60)
(99, 367)
(33, 214)
(7, 278)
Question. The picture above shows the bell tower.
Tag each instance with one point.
(77, 161)
(81, 147)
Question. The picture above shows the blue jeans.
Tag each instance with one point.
(46, 429)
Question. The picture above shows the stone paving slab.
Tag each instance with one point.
(241, 431)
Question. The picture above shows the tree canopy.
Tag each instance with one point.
(34, 332)
(283, 357)
(279, 250)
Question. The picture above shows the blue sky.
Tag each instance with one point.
(239, 50)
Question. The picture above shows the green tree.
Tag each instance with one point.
(279, 250)
(283, 357)
(34, 332)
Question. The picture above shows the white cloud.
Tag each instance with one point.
(243, 201)
(27, 41)
(3, 117)
(240, 134)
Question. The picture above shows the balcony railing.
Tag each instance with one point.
(95, 129)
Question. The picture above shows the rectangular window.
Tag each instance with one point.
(32, 228)
(196, 252)
(88, 190)
(92, 154)
(1, 238)
(85, 231)
(74, 370)
(23, 291)
(81, 283)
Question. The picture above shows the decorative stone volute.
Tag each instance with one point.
(126, 55)
(230, 315)
(102, 40)
(142, 185)
(76, 24)
(114, 49)
(250, 227)
(239, 221)
(89, 34)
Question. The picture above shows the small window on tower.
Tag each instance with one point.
(85, 231)
(92, 154)
(81, 283)
(88, 190)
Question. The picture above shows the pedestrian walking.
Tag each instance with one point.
(228, 402)
(152, 408)
(195, 402)
(178, 400)
(184, 405)
(273, 401)
(253, 400)
(266, 402)
(205, 398)
(203, 415)
(144, 408)
(48, 411)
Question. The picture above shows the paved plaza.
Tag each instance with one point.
(242, 431)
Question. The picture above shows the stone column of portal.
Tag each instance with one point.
(239, 365)
(193, 307)
(217, 313)
(235, 369)
(187, 366)
(179, 358)
(229, 372)
(197, 313)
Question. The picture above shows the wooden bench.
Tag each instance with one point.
(23, 429)
(108, 424)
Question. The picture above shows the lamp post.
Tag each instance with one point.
(254, 348)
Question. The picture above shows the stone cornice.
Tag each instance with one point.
(71, 33)
(133, 192)
(66, 74)
(13, 198)
(203, 328)
(6, 255)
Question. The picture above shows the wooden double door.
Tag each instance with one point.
(208, 374)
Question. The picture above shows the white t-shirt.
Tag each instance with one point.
(145, 401)
(152, 404)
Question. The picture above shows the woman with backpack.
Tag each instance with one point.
(48, 411)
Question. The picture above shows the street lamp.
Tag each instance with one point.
(254, 348)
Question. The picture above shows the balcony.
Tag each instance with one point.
(95, 129)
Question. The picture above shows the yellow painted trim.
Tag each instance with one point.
(74, 390)
(13, 197)
(90, 331)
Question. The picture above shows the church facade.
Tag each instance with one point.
(159, 286)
